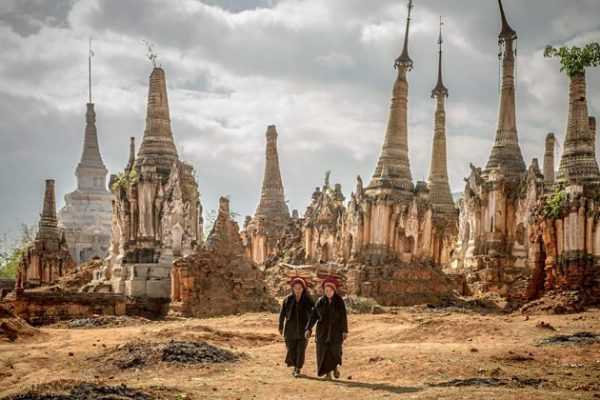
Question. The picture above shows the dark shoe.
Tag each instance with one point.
(296, 372)
(336, 373)
(327, 376)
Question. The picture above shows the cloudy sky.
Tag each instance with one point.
(321, 70)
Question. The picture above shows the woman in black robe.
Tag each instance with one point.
(331, 318)
(295, 311)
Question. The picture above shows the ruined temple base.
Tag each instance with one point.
(210, 285)
(390, 284)
(40, 308)
(137, 280)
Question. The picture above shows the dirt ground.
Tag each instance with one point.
(412, 354)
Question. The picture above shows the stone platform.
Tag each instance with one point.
(138, 280)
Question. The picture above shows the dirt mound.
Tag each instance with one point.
(101, 321)
(80, 391)
(487, 304)
(190, 352)
(140, 353)
(219, 278)
(555, 303)
(515, 381)
(512, 357)
(576, 338)
(13, 327)
(202, 333)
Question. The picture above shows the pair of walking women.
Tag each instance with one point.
(299, 314)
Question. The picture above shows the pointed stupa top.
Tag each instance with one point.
(404, 59)
(272, 204)
(157, 145)
(506, 154)
(440, 89)
(393, 167)
(90, 156)
(48, 224)
(506, 32)
(437, 181)
(91, 171)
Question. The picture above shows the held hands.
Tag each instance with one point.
(307, 334)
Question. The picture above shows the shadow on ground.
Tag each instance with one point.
(365, 385)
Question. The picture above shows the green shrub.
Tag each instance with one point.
(554, 202)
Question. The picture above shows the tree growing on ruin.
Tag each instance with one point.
(575, 59)
(12, 250)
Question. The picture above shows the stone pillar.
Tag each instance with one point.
(592, 122)
(578, 161)
(549, 160)
(131, 160)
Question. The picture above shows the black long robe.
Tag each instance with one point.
(332, 322)
(295, 315)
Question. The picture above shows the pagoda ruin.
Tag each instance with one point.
(157, 215)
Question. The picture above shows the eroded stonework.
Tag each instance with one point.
(522, 234)
(219, 278)
(156, 212)
(392, 238)
(48, 257)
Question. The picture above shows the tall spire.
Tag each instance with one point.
(91, 160)
(506, 153)
(90, 55)
(440, 89)
(48, 225)
(506, 32)
(393, 159)
(91, 171)
(437, 182)
(157, 145)
(272, 204)
(404, 59)
(549, 160)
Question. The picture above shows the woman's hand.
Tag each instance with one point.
(307, 334)
(345, 335)
(280, 332)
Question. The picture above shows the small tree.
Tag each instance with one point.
(575, 59)
(326, 180)
(554, 202)
(12, 251)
